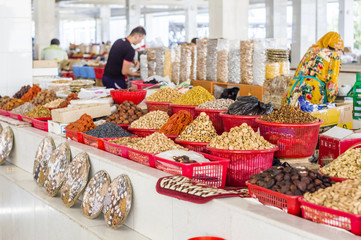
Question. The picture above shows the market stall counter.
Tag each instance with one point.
(152, 216)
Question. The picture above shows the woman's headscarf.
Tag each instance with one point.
(330, 39)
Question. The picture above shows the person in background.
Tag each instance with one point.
(121, 58)
(316, 77)
(194, 41)
(54, 52)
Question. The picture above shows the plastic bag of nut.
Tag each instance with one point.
(222, 60)
(175, 64)
(212, 60)
(159, 60)
(143, 66)
(202, 59)
(259, 63)
(247, 51)
(234, 62)
(194, 63)
(274, 90)
(151, 55)
(185, 64)
(167, 69)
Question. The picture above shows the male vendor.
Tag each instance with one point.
(121, 58)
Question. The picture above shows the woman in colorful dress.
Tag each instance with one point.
(316, 77)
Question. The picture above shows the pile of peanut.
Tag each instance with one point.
(152, 120)
(347, 165)
(155, 143)
(200, 130)
(240, 138)
(343, 196)
(166, 94)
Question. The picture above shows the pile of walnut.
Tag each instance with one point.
(291, 181)
(155, 143)
(44, 97)
(347, 165)
(343, 196)
(126, 113)
(152, 120)
(55, 103)
(240, 138)
(166, 94)
(200, 130)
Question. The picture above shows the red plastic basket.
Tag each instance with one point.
(27, 119)
(293, 140)
(215, 117)
(142, 132)
(212, 173)
(231, 121)
(332, 217)
(134, 83)
(74, 135)
(244, 163)
(144, 85)
(114, 148)
(4, 113)
(161, 106)
(15, 116)
(141, 157)
(99, 71)
(135, 96)
(90, 140)
(124, 126)
(287, 203)
(190, 108)
(40, 124)
(193, 146)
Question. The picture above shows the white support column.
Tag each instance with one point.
(345, 23)
(190, 8)
(105, 15)
(44, 16)
(276, 19)
(16, 46)
(133, 14)
(228, 19)
(57, 22)
(303, 28)
(321, 18)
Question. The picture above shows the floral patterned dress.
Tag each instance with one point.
(316, 77)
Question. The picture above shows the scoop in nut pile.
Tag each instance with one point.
(343, 196)
(241, 138)
(347, 165)
(152, 120)
(200, 130)
(166, 94)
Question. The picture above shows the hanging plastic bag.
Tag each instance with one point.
(234, 62)
(151, 55)
(259, 63)
(159, 60)
(185, 64)
(222, 60)
(212, 60)
(167, 70)
(247, 51)
(175, 64)
(202, 59)
(143, 66)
